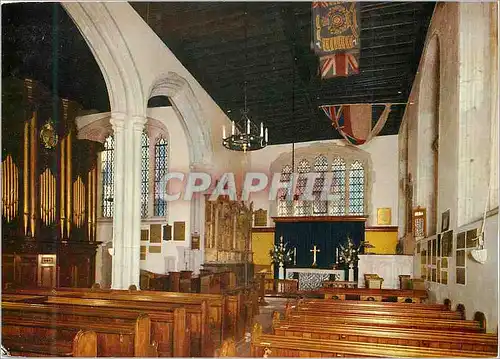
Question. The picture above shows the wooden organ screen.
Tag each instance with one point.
(49, 191)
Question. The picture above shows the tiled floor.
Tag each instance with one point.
(265, 319)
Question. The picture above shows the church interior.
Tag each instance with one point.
(250, 179)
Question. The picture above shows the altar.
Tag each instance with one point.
(312, 278)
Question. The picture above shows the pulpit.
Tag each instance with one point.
(313, 278)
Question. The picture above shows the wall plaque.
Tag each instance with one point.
(167, 232)
(384, 216)
(143, 253)
(144, 235)
(179, 231)
(155, 235)
(154, 249)
(195, 241)
(260, 218)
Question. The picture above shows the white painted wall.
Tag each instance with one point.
(382, 152)
(467, 158)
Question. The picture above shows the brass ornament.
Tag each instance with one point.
(48, 135)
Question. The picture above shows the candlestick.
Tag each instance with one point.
(232, 128)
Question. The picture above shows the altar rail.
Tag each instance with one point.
(281, 286)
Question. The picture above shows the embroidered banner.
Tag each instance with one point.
(336, 38)
(355, 122)
(335, 27)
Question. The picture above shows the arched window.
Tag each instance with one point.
(144, 174)
(160, 188)
(356, 188)
(154, 161)
(337, 205)
(346, 191)
(107, 173)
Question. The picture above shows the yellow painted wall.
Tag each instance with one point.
(262, 243)
(383, 242)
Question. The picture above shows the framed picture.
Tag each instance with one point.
(445, 221)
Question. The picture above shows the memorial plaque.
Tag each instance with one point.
(384, 216)
(471, 238)
(195, 241)
(167, 232)
(144, 235)
(155, 235)
(460, 278)
(179, 231)
(154, 249)
(260, 218)
(143, 253)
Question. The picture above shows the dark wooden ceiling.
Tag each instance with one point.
(283, 87)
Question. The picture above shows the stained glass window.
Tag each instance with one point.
(107, 164)
(160, 186)
(356, 188)
(338, 188)
(319, 205)
(285, 206)
(302, 207)
(144, 174)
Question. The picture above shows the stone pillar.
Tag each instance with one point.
(127, 200)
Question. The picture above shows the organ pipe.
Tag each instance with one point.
(26, 212)
(10, 190)
(68, 184)
(33, 142)
(62, 180)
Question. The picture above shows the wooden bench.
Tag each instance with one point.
(281, 346)
(223, 309)
(83, 343)
(397, 336)
(377, 295)
(306, 308)
(119, 332)
(371, 304)
(170, 324)
(388, 321)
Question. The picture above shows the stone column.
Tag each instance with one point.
(118, 121)
(127, 201)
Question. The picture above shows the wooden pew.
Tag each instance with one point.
(30, 343)
(119, 332)
(387, 321)
(377, 295)
(370, 304)
(223, 308)
(318, 308)
(169, 323)
(281, 346)
(397, 336)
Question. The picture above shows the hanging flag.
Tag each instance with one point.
(335, 37)
(355, 123)
(342, 64)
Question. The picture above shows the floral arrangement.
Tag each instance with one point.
(281, 254)
(349, 253)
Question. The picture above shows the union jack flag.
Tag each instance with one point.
(341, 64)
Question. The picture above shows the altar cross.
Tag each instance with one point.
(314, 251)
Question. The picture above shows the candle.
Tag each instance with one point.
(266, 134)
(223, 131)
(336, 254)
(248, 126)
(261, 129)
(232, 128)
(295, 256)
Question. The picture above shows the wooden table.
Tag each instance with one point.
(24, 298)
(405, 296)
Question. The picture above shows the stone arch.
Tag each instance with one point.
(428, 133)
(188, 109)
(112, 54)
